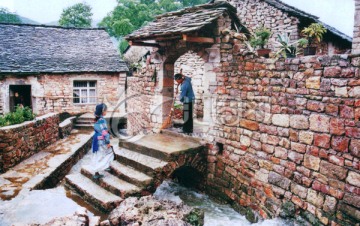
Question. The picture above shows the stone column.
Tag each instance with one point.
(356, 35)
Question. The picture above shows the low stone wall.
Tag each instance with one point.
(66, 126)
(18, 142)
(53, 178)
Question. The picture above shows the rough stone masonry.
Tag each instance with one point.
(287, 134)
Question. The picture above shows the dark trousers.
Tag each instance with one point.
(188, 118)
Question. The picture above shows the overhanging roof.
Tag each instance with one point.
(185, 21)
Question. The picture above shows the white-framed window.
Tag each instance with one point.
(84, 92)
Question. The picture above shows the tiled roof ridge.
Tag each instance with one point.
(215, 5)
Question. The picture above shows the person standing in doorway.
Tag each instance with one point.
(101, 147)
(186, 97)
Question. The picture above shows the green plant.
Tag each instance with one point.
(286, 47)
(314, 33)
(303, 42)
(20, 115)
(177, 106)
(260, 37)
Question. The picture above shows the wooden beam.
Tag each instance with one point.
(131, 43)
(198, 39)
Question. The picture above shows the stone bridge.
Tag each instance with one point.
(142, 164)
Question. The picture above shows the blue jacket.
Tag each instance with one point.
(101, 136)
(187, 93)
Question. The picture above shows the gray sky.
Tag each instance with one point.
(337, 13)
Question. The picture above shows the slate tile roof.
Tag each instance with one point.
(51, 49)
(184, 21)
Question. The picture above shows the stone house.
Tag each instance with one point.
(284, 134)
(274, 14)
(56, 69)
(281, 18)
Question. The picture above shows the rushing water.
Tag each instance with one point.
(215, 214)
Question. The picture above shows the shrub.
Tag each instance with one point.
(20, 115)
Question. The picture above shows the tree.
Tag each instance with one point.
(130, 15)
(7, 17)
(78, 15)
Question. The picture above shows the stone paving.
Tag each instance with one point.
(41, 170)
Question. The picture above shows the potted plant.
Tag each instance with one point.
(314, 34)
(287, 49)
(259, 39)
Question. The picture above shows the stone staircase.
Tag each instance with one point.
(135, 172)
(85, 121)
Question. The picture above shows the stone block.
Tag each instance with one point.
(248, 124)
(337, 160)
(299, 122)
(340, 143)
(346, 112)
(315, 198)
(341, 92)
(355, 92)
(311, 162)
(279, 180)
(313, 82)
(330, 205)
(295, 157)
(353, 179)
(306, 137)
(315, 106)
(352, 132)
(281, 153)
(332, 71)
(262, 175)
(332, 171)
(322, 140)
(319, 123)
(299, 190)
(281, 120)
(337, 126)
(301, 148)
(355, 147)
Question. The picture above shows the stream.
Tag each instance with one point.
(215, 214)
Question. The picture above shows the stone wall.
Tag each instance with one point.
(194, 68)
(18, 142)
(66, 126)
(139, 97)
(54, 92)
(356, 35)
(288, 136)
(254, 13)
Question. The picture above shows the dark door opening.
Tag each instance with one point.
(20, 95)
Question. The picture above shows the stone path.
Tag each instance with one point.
(138, 161)
(46, 168)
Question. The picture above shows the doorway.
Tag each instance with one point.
(20, 95)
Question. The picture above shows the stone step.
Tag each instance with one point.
(84, 121)
(130, 174)
(84, 125)
(93, 193)
(112, 183)
(143, 163)
(162, 146)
